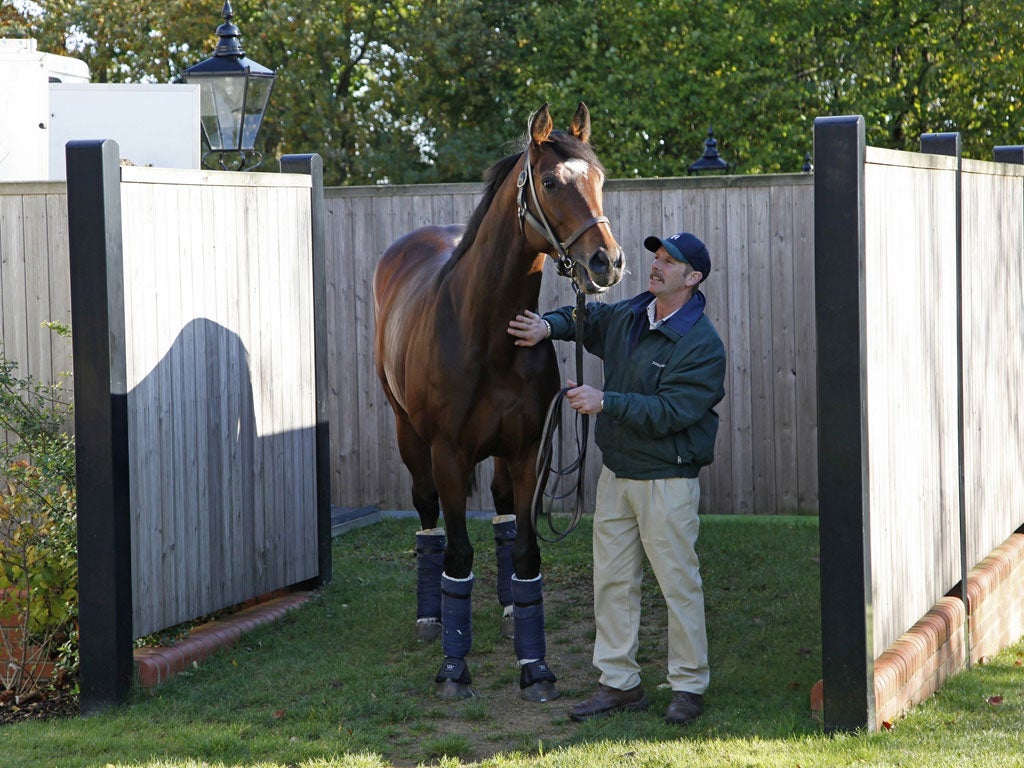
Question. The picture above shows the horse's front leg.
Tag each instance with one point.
(451, 476)
(536, 680)
(504, 525)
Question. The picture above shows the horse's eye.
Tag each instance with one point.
(549, 183)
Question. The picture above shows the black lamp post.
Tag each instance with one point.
(233, 95)
(710, 161)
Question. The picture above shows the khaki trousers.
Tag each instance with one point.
(659, 518)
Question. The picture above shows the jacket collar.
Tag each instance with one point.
(682, 321)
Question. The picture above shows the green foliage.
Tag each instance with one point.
(410, 91)
(38, 531)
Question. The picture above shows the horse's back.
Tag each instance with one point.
(404, 286)
(411, 262)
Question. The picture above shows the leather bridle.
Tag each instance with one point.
(540, 222)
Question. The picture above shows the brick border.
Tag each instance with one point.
(933, 650)
(157, 665)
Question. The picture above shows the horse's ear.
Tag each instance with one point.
(540, 125)
(580, 127)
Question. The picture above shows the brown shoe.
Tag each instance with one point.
(684, 708)
(606, 700)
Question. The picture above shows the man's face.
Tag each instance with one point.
(668, 276)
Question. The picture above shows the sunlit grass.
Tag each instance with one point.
(340, 682)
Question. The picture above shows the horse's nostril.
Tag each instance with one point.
(619, 262)
(599, 262)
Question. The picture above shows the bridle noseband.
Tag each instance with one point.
(540, 222)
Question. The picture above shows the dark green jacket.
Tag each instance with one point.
(660, 386)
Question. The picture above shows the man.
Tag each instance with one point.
(664, 368)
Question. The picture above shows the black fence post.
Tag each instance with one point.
(1013, 153)
(313, 165)
(101, 423)
(844, 525)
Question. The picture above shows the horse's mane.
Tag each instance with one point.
(564, 144)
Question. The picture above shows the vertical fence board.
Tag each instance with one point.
(805, 350)
(762, 361)
(37, 285)
(59, 289)
(720, 493)
(13, 295)
(375, 458)
(736, 263)
(783, 343)
(911, 385)
(342, 282)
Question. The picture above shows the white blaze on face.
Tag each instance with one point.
(573, 170)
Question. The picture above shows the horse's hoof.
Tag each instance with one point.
(544, 690)
(508, 627)
(450, 690)
(428, 630)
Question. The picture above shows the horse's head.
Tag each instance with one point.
(560, 198)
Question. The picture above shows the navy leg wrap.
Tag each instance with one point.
(454, 670)
(535, 672)
(504, 536)
(529, 618)
(429, 564)
(457, 618)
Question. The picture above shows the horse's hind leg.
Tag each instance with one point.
(504, 524)
(430, 540)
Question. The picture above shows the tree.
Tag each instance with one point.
(405, 91)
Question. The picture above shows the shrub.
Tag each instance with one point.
(38, 532)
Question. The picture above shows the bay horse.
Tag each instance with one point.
(462, 391)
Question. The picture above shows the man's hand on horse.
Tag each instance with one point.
(529, 328)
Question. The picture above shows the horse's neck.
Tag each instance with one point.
(492, 293)
(498, 277)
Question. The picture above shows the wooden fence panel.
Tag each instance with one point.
(918, 259)
(754, 243)
(218, 287)
(34, 279)
(759, 233)
(993, 257)
(910, 338)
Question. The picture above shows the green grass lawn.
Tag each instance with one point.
(342, 682)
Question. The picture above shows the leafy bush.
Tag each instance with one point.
(38, 531)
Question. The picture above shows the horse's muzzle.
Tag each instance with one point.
(604, 269)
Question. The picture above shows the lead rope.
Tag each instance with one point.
(552, 429)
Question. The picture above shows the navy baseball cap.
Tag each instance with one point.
(683, 247)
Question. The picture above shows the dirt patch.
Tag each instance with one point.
(58, 700)
(496, 719)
